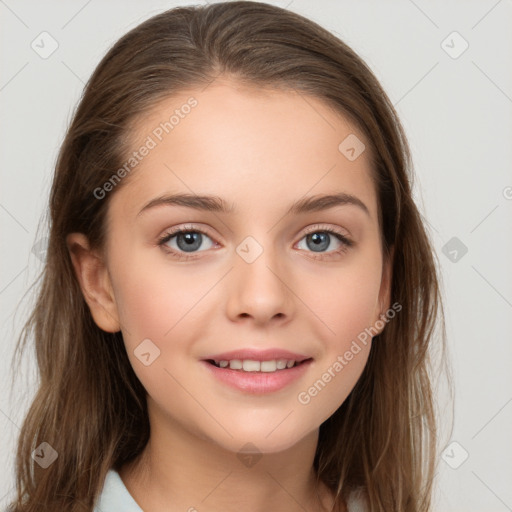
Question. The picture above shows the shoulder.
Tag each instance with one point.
(357, 501)
(114, 496)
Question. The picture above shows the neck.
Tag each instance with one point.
(179, 470)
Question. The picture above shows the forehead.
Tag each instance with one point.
(253, 146)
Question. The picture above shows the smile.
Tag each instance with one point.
(251, 365)
(257, 377)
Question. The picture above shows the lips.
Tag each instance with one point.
(257, 382)
(258, 355)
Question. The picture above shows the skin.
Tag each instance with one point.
(260, 150)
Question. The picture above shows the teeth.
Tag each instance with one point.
(250, 365)
(268, 366)
(235, 364)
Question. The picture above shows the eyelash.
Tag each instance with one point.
(346, 242)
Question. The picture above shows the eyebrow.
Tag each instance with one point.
(217, 204)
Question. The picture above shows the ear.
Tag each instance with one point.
(94, 280)
(384, 301)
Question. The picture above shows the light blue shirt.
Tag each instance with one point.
(115, 497)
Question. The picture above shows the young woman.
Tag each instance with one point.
(239, 296)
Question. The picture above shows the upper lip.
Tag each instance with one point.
(258, 355)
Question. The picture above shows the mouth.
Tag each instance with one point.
(257, 377)
(255, 366)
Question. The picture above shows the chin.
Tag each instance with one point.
(262, 441)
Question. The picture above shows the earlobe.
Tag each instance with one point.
(93, 277)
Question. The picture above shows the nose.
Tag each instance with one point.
(260, 290)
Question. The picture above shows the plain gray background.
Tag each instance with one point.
(456, 108)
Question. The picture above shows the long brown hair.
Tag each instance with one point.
(90, 407)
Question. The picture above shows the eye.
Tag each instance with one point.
(185, 240)
(318, 240)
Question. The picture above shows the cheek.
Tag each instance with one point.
(160, 305)
(355, 309)
(348, 312)
(345, 304)
(151, 299)
(344, 301)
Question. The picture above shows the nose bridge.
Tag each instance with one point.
(259, 288)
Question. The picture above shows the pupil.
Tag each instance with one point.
(192, 241)
(320, 241)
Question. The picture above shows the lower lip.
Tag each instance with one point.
(258, 382)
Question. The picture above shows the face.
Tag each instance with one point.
(260, 275)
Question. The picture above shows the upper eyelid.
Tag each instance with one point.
(309, 229)
(186, 228)
(325, 227)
